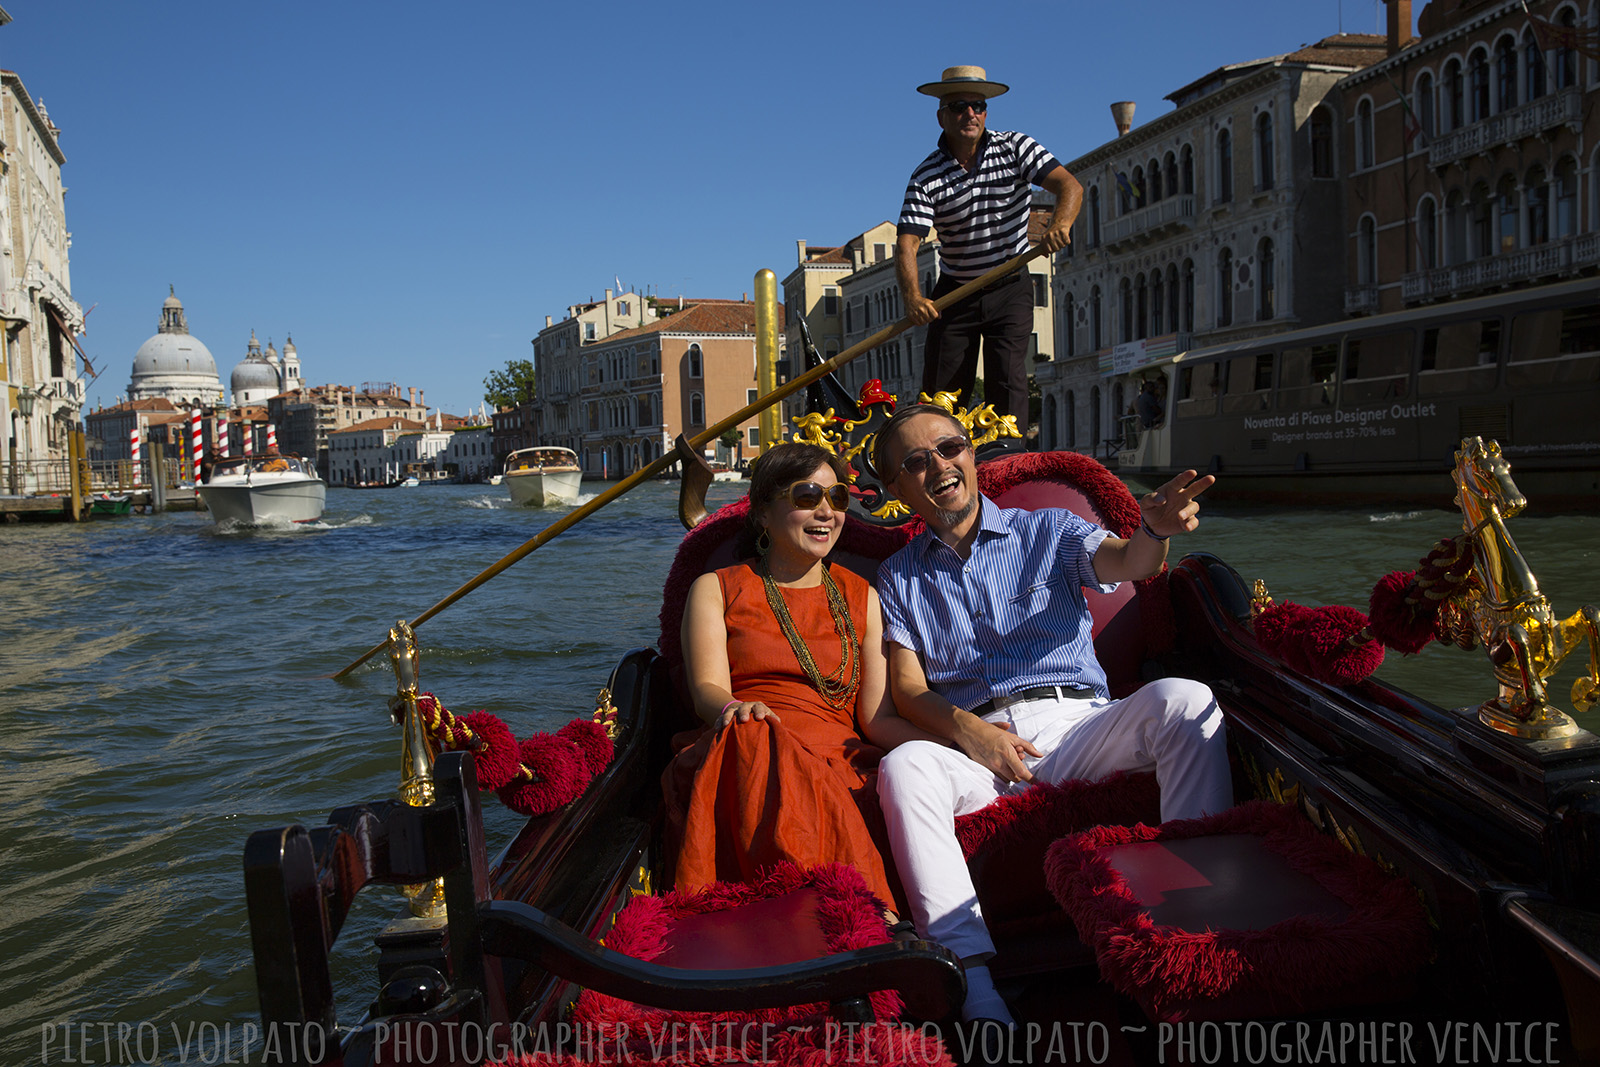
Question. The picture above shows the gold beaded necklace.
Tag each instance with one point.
(837, 692)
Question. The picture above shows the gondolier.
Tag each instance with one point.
(975, 191)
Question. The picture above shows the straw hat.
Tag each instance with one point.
(964, 80)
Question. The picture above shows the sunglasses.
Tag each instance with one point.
(948, 449)
(809, 495)
(956, 107)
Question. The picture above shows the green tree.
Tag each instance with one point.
(511, 386)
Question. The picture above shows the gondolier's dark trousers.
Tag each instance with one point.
(1001, 317)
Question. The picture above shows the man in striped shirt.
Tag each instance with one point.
(975, 191)
(991, 646)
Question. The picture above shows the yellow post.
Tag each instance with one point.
(75, 471)
(767, 355)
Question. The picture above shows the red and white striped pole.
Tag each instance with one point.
(133, 446)
(222, 434)
(196, 441)
(247, 431)
(272, 438)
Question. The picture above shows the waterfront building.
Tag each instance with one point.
(469, 455)
(1471, 153)
(1211, 222)
(43, 394)
(375, 451)
(175, 364)
(306, 417)
(516, 427)
(157, 418)
(620, 401)
(263, 375)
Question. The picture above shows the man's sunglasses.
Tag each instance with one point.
(809, 495)
(948, 449)
(977, 107)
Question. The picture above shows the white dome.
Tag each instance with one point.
(253, 374)
(174, 364)
(174, 353)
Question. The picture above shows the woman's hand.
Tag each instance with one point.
(743, 711)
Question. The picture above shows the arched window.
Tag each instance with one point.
(1538, 193)
(1266, 281)
(1155, 302)
(1096, 336)
(1566, 194)
(1478, 85)
(1455, 228)
(1505, 195)
(1172, 174)
(1533, 81)
(697, 409)
(1321, 143)
(1125, 302)
(1188, 295)
(696, 367)
(1140, 191)
(1172, 298)
(1482, 229)
(1141, 309)
(1071, 440)
(1367, 251)
(1069, 313)
(1365, 154)
(1186, 165)
(1454, 96)
(1225, 287)
(1094, 418)
(1505, 68)
(1423, 103)
(1094, 217)
(1563, 62)
(1153, 177)
(1047, 423)
(1264, 151)
(1224, 167)
(1427, 234)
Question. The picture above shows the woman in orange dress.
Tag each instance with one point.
(785, 665)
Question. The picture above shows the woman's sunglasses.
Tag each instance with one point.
(809, 495)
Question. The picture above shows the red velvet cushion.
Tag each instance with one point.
(1246, 914)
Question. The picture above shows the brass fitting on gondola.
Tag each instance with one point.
(416, 757)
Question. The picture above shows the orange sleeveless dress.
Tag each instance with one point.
(802, 789)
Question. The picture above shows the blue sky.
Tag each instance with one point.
(410, 188)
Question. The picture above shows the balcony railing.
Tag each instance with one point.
(1527, 264)
(1170, 214)
(1360, 299)
(1508, 127)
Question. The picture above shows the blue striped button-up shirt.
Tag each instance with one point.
(1010, 617)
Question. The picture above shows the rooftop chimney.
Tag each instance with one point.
(422, 398)
(1122, 115)
(1399, 24)
(801, 247)
(413, 396)
(549, 321)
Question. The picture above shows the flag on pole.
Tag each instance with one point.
(618, 280)
(1553, 37)
(1413, 127)
(1128, 188)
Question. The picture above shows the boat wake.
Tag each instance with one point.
(489, 503)
(235, 528)
(1403, 516)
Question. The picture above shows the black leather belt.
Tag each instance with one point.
(1038, 692)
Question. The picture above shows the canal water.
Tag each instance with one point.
(163, 693)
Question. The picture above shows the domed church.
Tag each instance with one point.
(263, 375)
(174, 364)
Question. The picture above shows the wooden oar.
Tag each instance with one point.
(711, 433)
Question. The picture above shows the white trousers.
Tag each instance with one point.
(1172, 726)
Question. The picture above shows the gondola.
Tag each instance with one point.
(1400, 882)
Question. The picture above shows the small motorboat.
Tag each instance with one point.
(544, 475)
(257, 490)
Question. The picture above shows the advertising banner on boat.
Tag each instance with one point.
(1136, 355)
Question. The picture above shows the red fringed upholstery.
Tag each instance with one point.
(786, 915)
(1332, 644)
(1245, 914)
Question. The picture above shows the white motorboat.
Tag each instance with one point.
(544, 475)
(256, 490)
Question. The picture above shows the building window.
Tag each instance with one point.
(1225, 287)
(1365, 153)
(1424, 103)
(1538, 194)
(880, 252)
(1367, 251)
(622, 307)
(1188, 295)
(830, 300)
(696, 366)
(1141, 308)
(1264, 152)
(753, 436)
(1564, 61)
(1153, 177)
(1094, 216)
(1125, 301)
(1155, 302)
(1172, 298)
(1266, 281)
(1505, 62)
(1187, 166)
(1095, 341)
(1532, 68)
(1069, 333)
(1506, 199)
(1427, 234)
(1321, 143)
(751, 396)
(1072, 421)
(697, 409)
(588, 331)
(1478, 85)
(1172, 174)
(1566, 198)
(1224, 167)
(1455, 228)
(1482, 221)
(1454, 95)
(1140, 189)
(1041, 290)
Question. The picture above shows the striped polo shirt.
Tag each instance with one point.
(1011, 616)
(982, 217)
